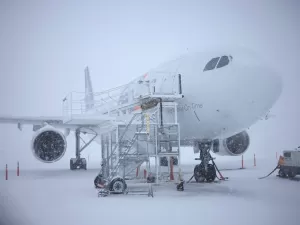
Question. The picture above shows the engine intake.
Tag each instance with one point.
(233, 146)
(48, 145)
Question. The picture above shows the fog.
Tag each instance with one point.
(45, 46)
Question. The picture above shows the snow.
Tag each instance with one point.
(60, 196)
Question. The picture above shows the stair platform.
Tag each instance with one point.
(87, 119)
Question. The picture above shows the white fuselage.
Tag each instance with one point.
(223, 101)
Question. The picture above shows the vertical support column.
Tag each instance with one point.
(103, 159)
(179, 154)
(119, 146)
(137, 174)
(156, 148)
(107, 156)
(161, 113)
(171, 168)
(175, 113)
(147, 124)
(148, 167)
(77, 137)
(110, 151)
(178, 134)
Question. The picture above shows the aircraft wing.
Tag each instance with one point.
(56, 121)
(30, 120)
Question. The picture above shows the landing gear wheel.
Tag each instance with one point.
(200, 174)
(83, 164)
(72, 161)
(77, 163)
(211, 173)
(118, 186)
(281, 173)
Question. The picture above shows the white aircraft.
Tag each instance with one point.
(225, 92)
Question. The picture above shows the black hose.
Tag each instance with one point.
(277, 167)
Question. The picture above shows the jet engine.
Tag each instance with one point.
(48, 144)
(233, 146)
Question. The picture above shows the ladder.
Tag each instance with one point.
(135, 146)
(129, 156)
(114, 120)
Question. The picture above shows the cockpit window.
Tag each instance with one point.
(223, 61)
(211, 64)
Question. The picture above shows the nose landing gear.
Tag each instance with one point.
(201, 175)
(206, 171)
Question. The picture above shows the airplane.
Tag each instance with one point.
(225, 91)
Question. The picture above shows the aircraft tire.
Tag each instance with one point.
(211, 173)
(71, 164)
(83, 163)
(199, 173)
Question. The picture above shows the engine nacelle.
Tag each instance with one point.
(233, 146)
(48, 144)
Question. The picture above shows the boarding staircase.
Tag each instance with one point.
(129, 129)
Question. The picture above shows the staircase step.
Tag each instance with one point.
(141, 133)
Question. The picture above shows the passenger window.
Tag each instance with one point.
(223, 61)
(211, 64)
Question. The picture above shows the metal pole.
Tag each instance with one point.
(180, 88)
(107, 155)
(110, 150)
(119, 146)
(6, 172)
(156, 154)
(179, 155)
(77, 136)
(161, 113)
(178, 134)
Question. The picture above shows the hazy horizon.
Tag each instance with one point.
(45, 46)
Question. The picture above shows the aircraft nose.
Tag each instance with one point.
(257, 89)
(269, 84)
(265, 86)
(259, 78)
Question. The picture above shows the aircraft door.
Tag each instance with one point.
(141, 88)
(166, 84)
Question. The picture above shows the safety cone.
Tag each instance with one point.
(6, 172)
(242, 161)
(18, 169)
(171, 169)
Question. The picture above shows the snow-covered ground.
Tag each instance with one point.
(60, 196)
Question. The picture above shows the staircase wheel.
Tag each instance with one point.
(118, 185)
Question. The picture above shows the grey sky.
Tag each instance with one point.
(45, 45)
